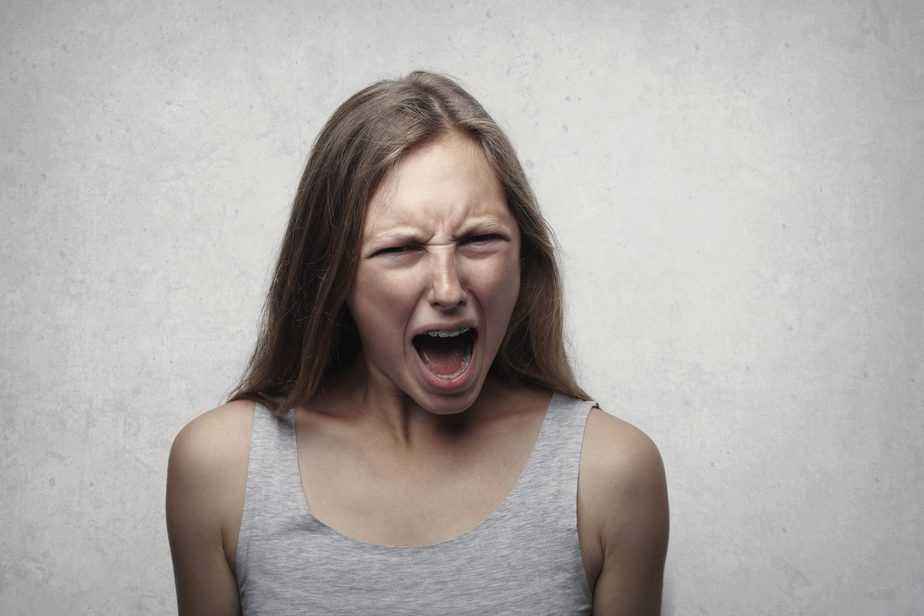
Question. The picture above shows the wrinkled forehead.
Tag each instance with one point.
(439, 187)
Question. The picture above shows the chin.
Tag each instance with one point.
(443, 404)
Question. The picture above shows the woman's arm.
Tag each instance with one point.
(203, 474)
(635, 522)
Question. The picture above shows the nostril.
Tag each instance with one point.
(447, 292)
(449, 303)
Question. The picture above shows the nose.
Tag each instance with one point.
(446, 286)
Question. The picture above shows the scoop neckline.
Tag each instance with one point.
(487, 522)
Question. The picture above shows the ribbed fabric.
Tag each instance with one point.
(523, 559)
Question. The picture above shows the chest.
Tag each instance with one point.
(369, 495)
(374, 495)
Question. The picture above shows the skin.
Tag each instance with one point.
(439, 246)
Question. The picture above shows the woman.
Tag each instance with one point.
(409, 435)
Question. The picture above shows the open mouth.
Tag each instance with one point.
(446, 357)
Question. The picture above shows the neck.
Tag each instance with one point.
(374, 405)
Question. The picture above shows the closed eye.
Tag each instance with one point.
(482, 239)
(397, 250)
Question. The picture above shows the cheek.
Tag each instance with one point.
(381, 304)
(498, 280)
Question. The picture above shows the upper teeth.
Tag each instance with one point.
(448, 334)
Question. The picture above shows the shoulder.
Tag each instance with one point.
(627, 475)
(207, 471)
(627, 455)
(213, 438)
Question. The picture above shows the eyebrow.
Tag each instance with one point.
(401, 233)
(406, 233)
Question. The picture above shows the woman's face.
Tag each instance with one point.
(440, 252)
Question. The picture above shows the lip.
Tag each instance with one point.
(423, 329)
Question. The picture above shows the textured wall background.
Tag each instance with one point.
(736, 188)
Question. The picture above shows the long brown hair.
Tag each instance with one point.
(307, 336)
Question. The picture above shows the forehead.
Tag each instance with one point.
(436, 188)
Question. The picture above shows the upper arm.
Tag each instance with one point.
(634, 523)
(204, 490)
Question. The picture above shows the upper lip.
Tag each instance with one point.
(423, 329)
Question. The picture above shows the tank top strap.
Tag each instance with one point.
(548, 487)
(270, 478)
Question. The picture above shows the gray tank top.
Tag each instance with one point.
(523, 559)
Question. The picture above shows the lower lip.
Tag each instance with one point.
(460, 381)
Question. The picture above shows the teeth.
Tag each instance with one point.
(448, 334)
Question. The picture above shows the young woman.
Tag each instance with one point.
(409, 436)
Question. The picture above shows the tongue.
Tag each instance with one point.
(443, 359)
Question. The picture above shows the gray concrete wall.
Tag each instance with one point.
(736, 187)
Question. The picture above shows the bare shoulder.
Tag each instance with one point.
(207, 471)
(212, 432)
(211, 440)
(624, 457)
(627, 503)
